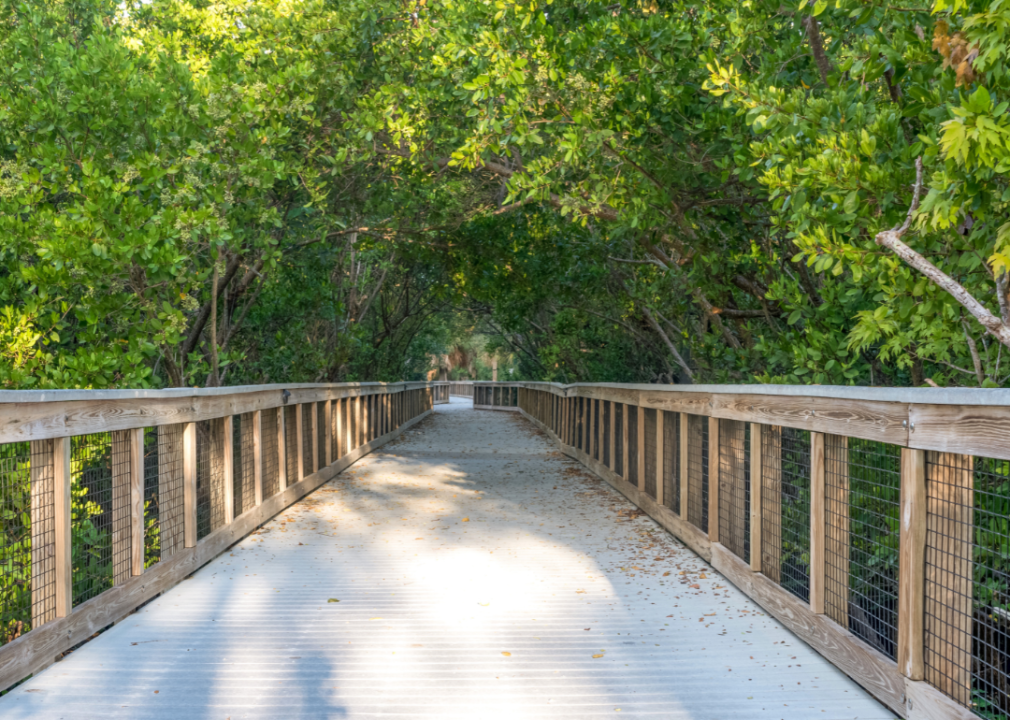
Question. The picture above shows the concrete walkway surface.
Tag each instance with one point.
(466, 570)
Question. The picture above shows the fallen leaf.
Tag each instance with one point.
(507, 654)
(466, 519)
(332, 600)
(666, 573)
(696, 586)
(598, 655)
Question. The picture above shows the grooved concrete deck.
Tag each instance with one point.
(480, 574)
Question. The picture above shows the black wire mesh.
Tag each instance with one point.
(244, 466)
(734, 487)
(632, 450)
(27, 531)
(785, 514)
(671, 460)
(271, 453)
(697, 471)
(210, 490)
(967, 608)
(861, 508)
(291, 443)
(619, 411)
(96, 488)
(164, 490)
(605, 440)
(650, 452)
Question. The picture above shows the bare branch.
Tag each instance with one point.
(673, 349)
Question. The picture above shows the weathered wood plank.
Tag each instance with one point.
(756, 499)
(911, 564)
(817, 530)
(257, 418)
(43, 498)
(771, 494)
(63, 523)
(660, 460)
(189, 483)
(137, 501)
(837, 543)
(228, 465)
(967, 430)
(713, 479)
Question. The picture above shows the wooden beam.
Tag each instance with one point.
(257, 419)
(713, 479)
(912, 563)
(314, 430)
(189, 483)
(612, 439)
(228, 466)
(771, 500)
(300, 442)
(683, 441)
(835, 530)
(137, 519)
(282, 452)
(817, 534)
(63, 522)
(640, 450)
(660, 464)
(756, 495)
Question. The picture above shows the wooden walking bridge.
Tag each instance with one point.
(399, 551)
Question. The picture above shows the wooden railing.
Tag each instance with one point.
(873, 523)
(496, 395)
(461, 388)
(108, 498)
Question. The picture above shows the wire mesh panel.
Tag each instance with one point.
(785, 514)
(632, 450)
(271, 453)
(671, 460)
(734, 487)
(605, 437)
(97, 475)
(697, 471)
(210, 490)
(244, 466)
(967, 608)
(164, 492)
(291, 443)
(619, 410)
(861, 508)
(27, 524)
(650, 452)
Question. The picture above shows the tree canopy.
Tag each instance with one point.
(206, 193)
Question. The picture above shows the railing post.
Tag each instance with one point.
(626, 455)
(660, 490)
(817, 520)
(713, 479)
(64, 530)
(640, 437)
(612, 439)
(257, 449)
(756, 487)
(300, 441)
(590, 427)
(282, 451)
(912, 563)
(228, 465)
(682, 455)
(189, 483)
(314, 439)
(137, 501)
(329, 434)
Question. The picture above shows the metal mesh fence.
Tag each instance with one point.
(98, 471)
(671, 460)
(271, 453)
(861, 508)
(27, 530)
(291, 443)
(650, 452)
(785, 515)
(164, 525)
(244, 467)
(967, 608)
(734, 487)
(697, 471)
(210, 490)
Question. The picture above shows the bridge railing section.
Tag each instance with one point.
(496, 395)
(874, 523)
(108, 498)
(461, 388)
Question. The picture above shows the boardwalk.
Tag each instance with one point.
(466, 571)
